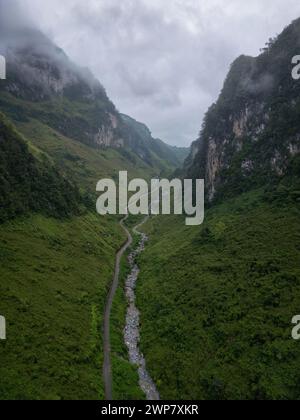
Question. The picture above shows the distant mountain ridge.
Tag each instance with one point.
(141, 138)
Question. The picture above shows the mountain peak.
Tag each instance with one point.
(38, 69)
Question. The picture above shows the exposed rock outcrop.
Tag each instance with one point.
(252, 132)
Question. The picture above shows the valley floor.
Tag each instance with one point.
(216, 305)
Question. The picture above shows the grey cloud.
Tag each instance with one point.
(13, 14)
(161, 61)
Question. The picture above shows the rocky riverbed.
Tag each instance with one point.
(131, 331)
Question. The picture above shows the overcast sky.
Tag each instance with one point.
(162, 62)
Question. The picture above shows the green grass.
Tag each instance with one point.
(81, 163)
(217, 302)
(43, 124)
(55, 276)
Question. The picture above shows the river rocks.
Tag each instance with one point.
(131, 331)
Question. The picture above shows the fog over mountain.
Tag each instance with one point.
(162, 62)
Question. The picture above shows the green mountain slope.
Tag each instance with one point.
(44, 85)
(28, 184)
(52, 305)
(217, 302)
(56, 266)
(55, 277)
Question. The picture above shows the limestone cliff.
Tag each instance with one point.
(251, 134)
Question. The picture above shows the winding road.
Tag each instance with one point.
(107, 372)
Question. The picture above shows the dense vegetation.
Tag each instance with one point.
(218, 301)
(55, 277)
(28, 184)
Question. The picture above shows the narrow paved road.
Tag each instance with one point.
(107, 373)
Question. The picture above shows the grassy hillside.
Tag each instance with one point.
(85, 165)
(55, 277)
(218, 300)
(56, 268)
(65, 119)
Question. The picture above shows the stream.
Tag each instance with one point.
(132, 328)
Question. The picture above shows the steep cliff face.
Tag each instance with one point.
(39, 70)
(251, 134)
(40, 73)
